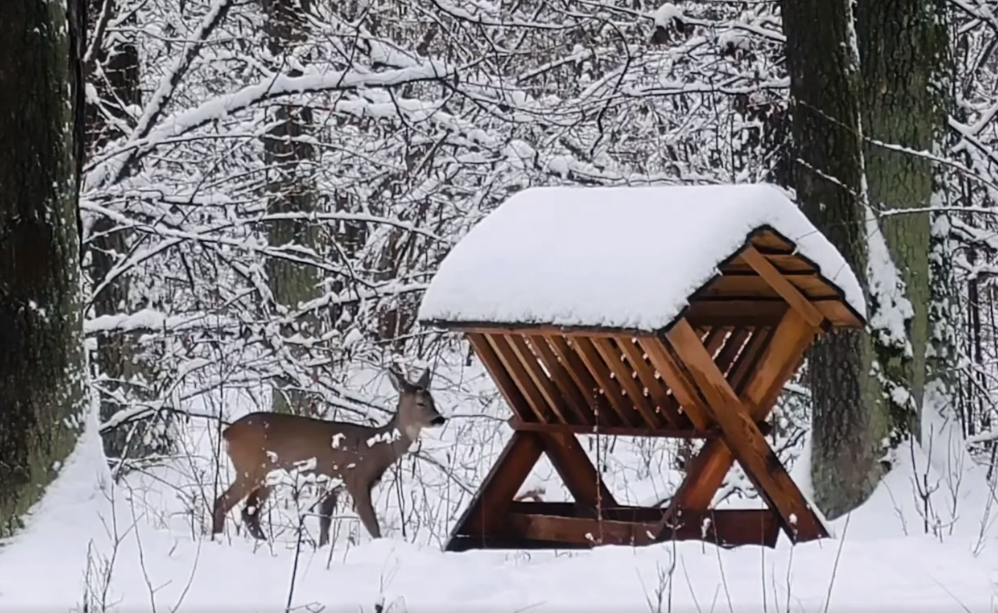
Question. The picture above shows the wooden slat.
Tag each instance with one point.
(681, 387)
(726, 527)
(657, 390)
(782, 286)
(729, 352)
(555, 401)
(716, 338)
(625, 377)
(737, 286)
(514, 398)
(769, 242)
(486, 512)
(785, 263)
(520, 377)
(625, 411)
(735, 313)
(574, 398)
(639, 431)
(745, 363)
(744, 440)
(764, 313)
(577, 371)
(577, 472)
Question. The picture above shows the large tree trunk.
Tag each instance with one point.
(903, 50)
(113, 71)
(41, 364)
(848, 418)
(291, 191)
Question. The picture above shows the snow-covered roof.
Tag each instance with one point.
(613, 257)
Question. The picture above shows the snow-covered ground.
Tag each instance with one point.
(142, 545)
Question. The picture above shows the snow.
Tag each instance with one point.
(141, 544)
(613, 257)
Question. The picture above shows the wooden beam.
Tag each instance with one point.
(487, 509)
(520, 377)
(782, 286)
(579, 530)
(494, 366)
(744, 440)
(577, 472)
(542, 382)
(625, 377)
(682, 388)
(725, 527)
(731, 349)
(599, 370)
(574, 398)
(657, 390)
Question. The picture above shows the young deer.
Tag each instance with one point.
(259, 443)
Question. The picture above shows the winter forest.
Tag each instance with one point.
(212, 208)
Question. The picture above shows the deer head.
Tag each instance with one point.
(416, 408)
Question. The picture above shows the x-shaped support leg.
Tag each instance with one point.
(741, 439)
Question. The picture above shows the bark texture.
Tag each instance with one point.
(290, 189)
(903, 51)
(41, 365)
(848, 416)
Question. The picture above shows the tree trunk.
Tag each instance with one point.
(113, 71)
(848, 415)
(290, 189)
(903, 50)
(41, 365)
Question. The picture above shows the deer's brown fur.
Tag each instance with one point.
(262, 442)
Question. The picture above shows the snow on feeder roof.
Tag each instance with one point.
(637, 258)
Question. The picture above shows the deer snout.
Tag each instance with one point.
(439, 420)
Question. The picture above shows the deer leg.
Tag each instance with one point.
(326, 514)
(361, 495)
(251, 512)
(224, 503)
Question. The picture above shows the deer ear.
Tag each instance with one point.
(398, 381)
(424, 380)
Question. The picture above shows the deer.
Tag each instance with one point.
(356, 455)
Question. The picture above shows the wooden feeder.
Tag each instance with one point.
(675, 312)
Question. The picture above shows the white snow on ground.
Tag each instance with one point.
(618, 257)
(885, 557)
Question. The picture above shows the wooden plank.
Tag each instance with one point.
(681, 387)
(782, 286)
(751, 285)
(762, 312)
(744, 440)
(576, 470)
(509, 359)
(579, 530)
(716, 338)
(516, 401)
(657, 390)
(574, 398)
(639, 431)
(625, 377)
(788, 263)
(512, 327)
(770, 242)
(553, 398)
(488, 507)
(624, 409)
(725, 527)
(735, 313)
(598, 403)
